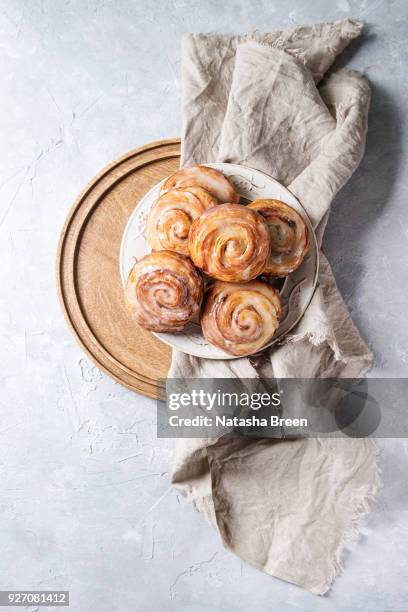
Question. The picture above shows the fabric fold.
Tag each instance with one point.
(272, 112)
(208, 62)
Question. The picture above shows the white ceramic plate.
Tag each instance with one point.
(297, 289)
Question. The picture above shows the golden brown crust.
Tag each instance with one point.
(230, 242)
(164, 291)
(240, 318)
(171, 216)
(211, 180)
(289, 236)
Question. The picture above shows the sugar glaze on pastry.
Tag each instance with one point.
(240, 318)
(171, 217)
(164, 291)
(230, 242)
(289, 236)
(209, 179)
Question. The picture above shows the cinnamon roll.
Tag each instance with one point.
(230, 242)
(240, 318)
(211, 180)
(172, 214)
(289, 236)
(164, 291)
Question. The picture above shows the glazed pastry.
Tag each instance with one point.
(164, 291)
(230, 242)
(172, 214)
(210, 179)
(240, 318)
(289, 236)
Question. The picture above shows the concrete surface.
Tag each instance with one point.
(85, 498)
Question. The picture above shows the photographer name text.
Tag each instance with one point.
(235, 421)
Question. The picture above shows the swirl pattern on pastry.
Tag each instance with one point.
(172, 214)
(164, 291)
(230, 242)
(211, 180)
(240, 318)
(289, 236)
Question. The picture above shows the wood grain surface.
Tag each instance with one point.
(88, 277)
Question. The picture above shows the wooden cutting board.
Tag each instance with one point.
(88, 278)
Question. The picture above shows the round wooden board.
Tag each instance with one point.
(88, 277)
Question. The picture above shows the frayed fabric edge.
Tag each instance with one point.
(347, 29)
(317, 339)
(353, 531)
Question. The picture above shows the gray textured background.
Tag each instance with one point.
(85, 498)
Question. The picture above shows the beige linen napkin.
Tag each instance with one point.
(287, 507)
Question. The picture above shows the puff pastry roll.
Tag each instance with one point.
(209, 179)
(164, 291)
(171, 216)
(240, 318)
(289, 236)
(230, 242)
